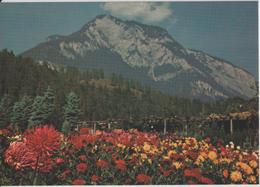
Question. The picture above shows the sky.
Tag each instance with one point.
(228, 30)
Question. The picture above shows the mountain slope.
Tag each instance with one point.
(148, 54)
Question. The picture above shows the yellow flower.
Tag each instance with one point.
(166, 158)
(170, 153)
(146, 147)
(143, 156)
(149, 161)
(253, 164)
(154, 150)
(212, 155)
(177, 165)
(199, 160)
(236, 176)
(246, 168)
(215, 162)
(121, 146)
(204, 154)
(251, 179)
(225, 160)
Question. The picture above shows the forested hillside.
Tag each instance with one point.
(26, 85)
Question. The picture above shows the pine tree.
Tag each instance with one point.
(71, 111)
(49, 104)
(38, 115)
(42, 109)
(66, 127)
(5, 108)
(20, 113)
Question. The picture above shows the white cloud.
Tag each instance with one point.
(147, 11)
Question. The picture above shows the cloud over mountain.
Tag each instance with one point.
(147, 11)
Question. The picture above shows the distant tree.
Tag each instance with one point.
(42, 109)
(5, 109)
(38, 115)
(71, 112)
(66, 127)
(20, 113)
(49, 104)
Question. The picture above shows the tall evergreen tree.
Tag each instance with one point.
(71, 112)
(20, 113)
(38, 115)
(49, 104)
(5, 108)
(42, 109)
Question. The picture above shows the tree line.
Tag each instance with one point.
(33, 93)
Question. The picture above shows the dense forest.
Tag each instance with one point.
(32, 93)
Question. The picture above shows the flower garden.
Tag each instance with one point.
(44, 156)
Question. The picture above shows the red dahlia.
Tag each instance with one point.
(195, 172)
(43, 140)
(59, 161)
(83, 158)
(82, 167)
(102, 164)
(144, 179)
(205, 180)
(120, 164)
(94, 178)
(79, 182)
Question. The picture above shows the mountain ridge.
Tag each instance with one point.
(151, 54)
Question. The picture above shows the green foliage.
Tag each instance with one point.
(38, 115)
(49, 104)
(5, 109)
(42, 109)
(66, 127)
(101, 96)
(20, 113)
(71, 111)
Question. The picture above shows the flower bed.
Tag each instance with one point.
(45, 156)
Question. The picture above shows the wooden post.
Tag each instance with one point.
(231, 126)
(165, 127)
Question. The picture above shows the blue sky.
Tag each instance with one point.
(228, 30)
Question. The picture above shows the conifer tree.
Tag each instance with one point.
(49, 104)
(5, 108)
(66, 127)
(38, 115)
(71, 112)
(42, 109)
(20, 113)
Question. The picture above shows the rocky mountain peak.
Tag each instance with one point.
(152, 53)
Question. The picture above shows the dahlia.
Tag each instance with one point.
(236, 176)
(120, 164)
(43, 140)
(78, 182)
(95, 178)
(82, 167)
(142, 178)
(102, 164)
(83, 158)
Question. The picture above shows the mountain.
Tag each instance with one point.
(148, 54)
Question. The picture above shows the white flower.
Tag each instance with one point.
(231, 143)
(227, 146)
(238, 147)
(232, 146)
